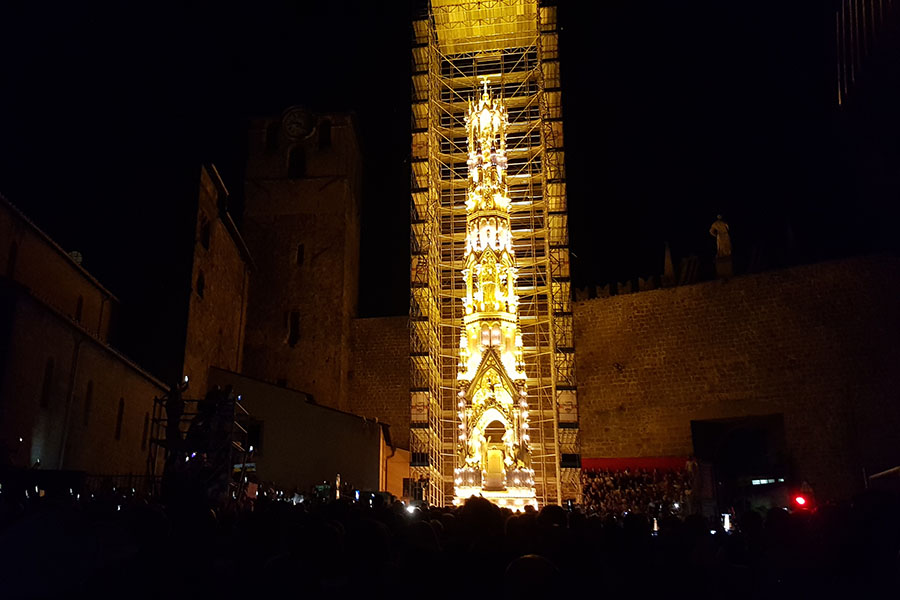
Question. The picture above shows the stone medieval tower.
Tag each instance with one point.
(492, 369)
(301, 223)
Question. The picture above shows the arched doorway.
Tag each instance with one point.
(495, 470)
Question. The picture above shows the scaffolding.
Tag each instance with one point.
(223, 448)
(514, 44)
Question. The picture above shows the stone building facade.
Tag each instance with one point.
(67, 399)
(301, 223)
(220, 282)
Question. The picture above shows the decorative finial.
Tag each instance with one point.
(484, 81)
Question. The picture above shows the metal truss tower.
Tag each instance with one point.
(514, 44)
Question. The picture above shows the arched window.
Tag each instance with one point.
(146, 431)
(79, 306)
(119, 417)
(495, 336)
(297, 163)
(11, 259)
(88, 400)
(485, 336)
(47, 388)
(201, 283)
(324, 134)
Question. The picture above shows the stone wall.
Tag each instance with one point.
(815, 343)
(379, 373)
(61, 390)
(218, 300)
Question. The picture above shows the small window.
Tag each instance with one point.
(201, 284)
(495, 336)
(119, 417)
(293, 328)
(47, 388)
(146, 431)
(79, 306)
(272, 132)
(324, 134)
(485, 336)
(203, 232)
(88, 400)
(300, 251)
(296, 163)
(11, 259)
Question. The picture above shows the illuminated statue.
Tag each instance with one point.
(493, 452)
(719, 230)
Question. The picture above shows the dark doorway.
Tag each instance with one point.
(494, 432)
(743, 463)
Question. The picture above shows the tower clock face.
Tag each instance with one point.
(298, 123)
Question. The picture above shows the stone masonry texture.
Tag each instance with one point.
(379, 373)
(215, 327)
(815, 343)
(312, 291)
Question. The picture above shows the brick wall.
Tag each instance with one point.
(817, 343)
(379, 373)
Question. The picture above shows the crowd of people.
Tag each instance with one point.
(127, 545)
(654, 493)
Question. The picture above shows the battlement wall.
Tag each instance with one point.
(816, 343)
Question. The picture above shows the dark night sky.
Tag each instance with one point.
(674, 111)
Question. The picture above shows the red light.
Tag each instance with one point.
(800, 500)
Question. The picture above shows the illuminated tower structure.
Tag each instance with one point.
(491, 340)
(494, 457)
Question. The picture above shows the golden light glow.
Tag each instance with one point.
(471, 26)
(494, 458)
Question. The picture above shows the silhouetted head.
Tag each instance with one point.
(530, 576)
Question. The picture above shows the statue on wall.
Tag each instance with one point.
(719, 230)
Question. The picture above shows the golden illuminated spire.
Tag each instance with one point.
(494, 455)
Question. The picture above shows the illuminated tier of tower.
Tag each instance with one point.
(489, 254)
(493, 455)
